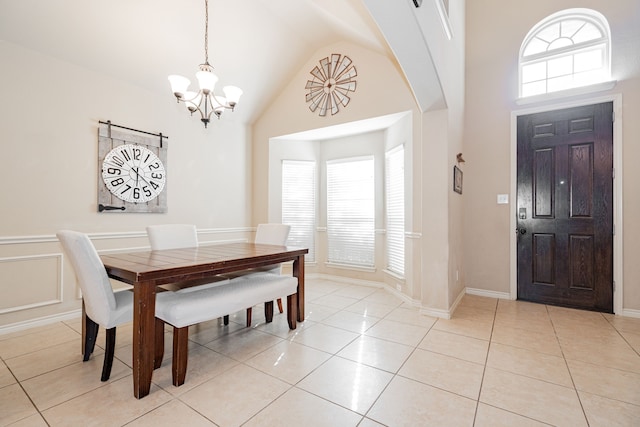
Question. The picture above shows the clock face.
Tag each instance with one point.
(133, 173)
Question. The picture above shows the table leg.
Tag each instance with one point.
(144, 307)
(298, 271)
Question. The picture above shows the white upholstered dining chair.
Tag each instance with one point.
(172, 236)
(101, 306)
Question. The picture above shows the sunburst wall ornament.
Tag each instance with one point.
(332, 81)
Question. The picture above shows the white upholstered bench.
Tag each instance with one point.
(183, 309)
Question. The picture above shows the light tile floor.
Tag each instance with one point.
(362, 357)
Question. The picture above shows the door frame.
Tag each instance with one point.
(617, 189)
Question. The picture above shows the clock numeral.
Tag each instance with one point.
(126, 155)
(156, 175)
(146, 190)
(126, 189)
(117, 160)
(154, 185)
(116, 182)
(136, 193)
(114, 171)
(147, 158)
(155, 165)
(136, 153)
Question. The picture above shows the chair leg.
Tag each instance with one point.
(180, 355)
(292, 310)
(83, 321)
(225, 319)
(158, 344)
(280, 305)
(249, 311)
(90, 334)
(108, 354)
(268, 311)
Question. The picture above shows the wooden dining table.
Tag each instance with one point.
(145, 270)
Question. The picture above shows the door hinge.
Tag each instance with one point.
(614, 286)
(614, 229)
(613, 173)
(613, 116)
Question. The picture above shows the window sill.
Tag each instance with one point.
(396, 276)
(562, 94)
(350, 267)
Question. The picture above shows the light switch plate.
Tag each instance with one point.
(503, 199)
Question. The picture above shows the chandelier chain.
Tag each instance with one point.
(206, 32)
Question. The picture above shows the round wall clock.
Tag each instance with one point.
(133, 173)
(332, 81)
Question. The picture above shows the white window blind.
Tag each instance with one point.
(299, 204)
(351, 211)
(394, 188)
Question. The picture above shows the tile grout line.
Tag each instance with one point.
(553, 325)
(486, 359)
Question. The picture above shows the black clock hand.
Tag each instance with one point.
(142, 178)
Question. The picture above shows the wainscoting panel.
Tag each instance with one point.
(30, 281)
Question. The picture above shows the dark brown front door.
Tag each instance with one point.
(565, 207)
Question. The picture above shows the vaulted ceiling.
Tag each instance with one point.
(253, 44)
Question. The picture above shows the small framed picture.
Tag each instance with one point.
(457, 180)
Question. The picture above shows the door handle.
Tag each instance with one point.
(521, 231)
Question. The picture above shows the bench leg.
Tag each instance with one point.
(158, 344)
(280, 305)
(180, 355)
(292, 310)
(268, 311)
(225, 319)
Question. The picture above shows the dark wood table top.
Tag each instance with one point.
(172, 265)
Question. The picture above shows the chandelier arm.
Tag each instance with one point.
(220, 104)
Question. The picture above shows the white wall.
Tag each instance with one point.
(48, 127)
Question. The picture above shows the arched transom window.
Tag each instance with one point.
(565, 50)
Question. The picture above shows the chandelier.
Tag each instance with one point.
(205, 101)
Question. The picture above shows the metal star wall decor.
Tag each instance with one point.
(332, 81)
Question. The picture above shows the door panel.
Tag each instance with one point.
(565, 207)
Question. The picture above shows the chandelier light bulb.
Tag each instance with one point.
(179, 85)
(232, 93)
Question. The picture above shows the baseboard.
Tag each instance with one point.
(490, 294)
(40, 321)
(434, 312)
(630, 312)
